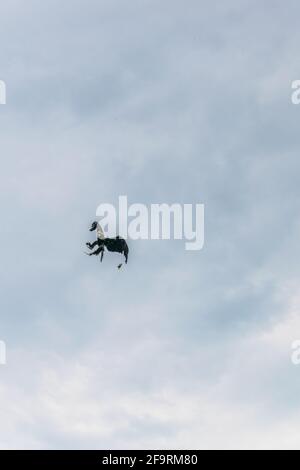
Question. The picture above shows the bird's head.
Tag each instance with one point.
(93, 226)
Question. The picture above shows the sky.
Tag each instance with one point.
(164, 102)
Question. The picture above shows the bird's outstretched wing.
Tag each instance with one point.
(100, 233)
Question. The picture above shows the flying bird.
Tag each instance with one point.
(116, 244)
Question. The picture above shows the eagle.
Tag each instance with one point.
(116, 244)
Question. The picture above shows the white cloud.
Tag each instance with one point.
(164, 103)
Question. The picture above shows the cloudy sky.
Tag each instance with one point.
(171, 101)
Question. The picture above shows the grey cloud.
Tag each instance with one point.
(165, 103)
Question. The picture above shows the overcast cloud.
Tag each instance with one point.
(173, 101)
